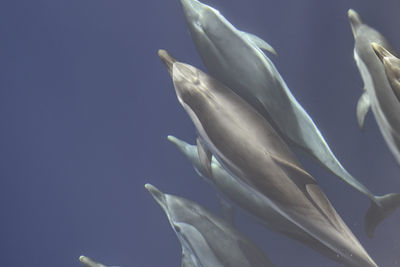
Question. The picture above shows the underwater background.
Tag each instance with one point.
(86, 106)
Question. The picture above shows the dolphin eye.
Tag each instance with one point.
(177, 228)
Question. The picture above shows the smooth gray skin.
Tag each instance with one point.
(207, 240)
(88, 262)
(235, 58)
(248, 147)
(379, 96)
(249, 199)
(392, 67)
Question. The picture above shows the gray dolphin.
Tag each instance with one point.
(248, 147)
(392, 67)
(245, 197)
(377, 95)
(88, 262)
(207, 240)
(236, 59)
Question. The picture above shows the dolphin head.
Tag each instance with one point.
(177, 209)
(355, 21)
(195, 13)
(187, 218)
(204, 21)
(193, 87)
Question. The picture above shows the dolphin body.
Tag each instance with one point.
(392, 67)
(236, 59)
(377, 95)
(248, 147)
(207, 240)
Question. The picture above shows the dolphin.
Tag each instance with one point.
(245, 197)
(392, 67)
(236, 58)
(88, 262)
(207, 240)
(377, 95)
(248, 147)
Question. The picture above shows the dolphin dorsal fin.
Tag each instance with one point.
(205, 157)
(260, 43)
(363, 106)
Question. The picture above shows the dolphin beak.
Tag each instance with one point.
(157, 195)
(179, 143)
(380, 51)
(167, 59)
(86, 261)
(355, 20)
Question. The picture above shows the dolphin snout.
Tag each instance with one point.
(88, 262)
(156, 194)
(179, 143)
(355, 20)
(167, 59)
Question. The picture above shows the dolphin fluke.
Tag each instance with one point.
(380, 208)
(167, 59)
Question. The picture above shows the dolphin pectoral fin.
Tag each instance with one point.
(227, 210)
(363, 106)
(379, 210)
(260, 43)
(205, 157)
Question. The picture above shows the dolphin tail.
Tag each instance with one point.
(381, 207)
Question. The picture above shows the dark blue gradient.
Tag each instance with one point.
(86, 106)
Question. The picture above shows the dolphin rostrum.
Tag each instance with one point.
(207, 241)
(377, 95)
(236, 59)
(248, 147)
(392, 67)
(88, 262)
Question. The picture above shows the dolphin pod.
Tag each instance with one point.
(236, 59)
(206, 239)
(246, 197)
(248, 147)
(392, 67)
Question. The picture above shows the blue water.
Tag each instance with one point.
(86, 105)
